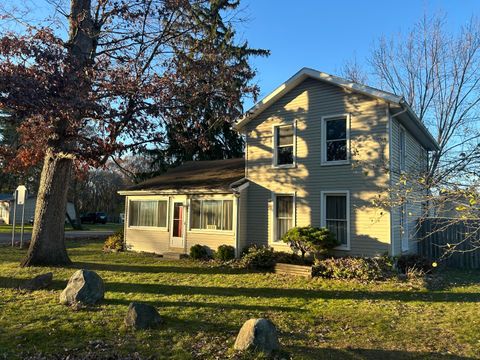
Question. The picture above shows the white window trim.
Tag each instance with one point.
(152, 228)
(323, 154)
(211, 231)
(404, 231)
(402, 161)
(274, 145)
(274, 240)
(323, 213)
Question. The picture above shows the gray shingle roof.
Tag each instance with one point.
(215, 175)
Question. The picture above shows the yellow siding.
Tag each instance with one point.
(365, 177)
(415, 161)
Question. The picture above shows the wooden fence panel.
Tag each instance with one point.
(436, 234)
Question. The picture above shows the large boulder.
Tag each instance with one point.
(258, 335)
(38, 282)
(84, 287)
(142, 316)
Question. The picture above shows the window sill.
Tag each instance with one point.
(334, 163)
(154, 228)
(342, 248)
(287, 166)
(278, 243)
(213, 232)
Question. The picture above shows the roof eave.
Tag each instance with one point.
(300, 76)
(172, 192)
(431, 143)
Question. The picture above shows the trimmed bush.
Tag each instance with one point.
(114, 242)
(410, 263)
(317, 241)
(225, 253)
(291, 258)
(262, 258)
(199, 252)
(378, 268)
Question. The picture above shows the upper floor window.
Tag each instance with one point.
(335, 139)
(148, 213)
(284, 145)
(403, 151)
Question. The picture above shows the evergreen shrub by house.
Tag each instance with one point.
(291, 258)
(262, 258)
(225, 253)
(310, 239)
(199, 252)
(114, 242)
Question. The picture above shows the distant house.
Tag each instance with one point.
(7, 209)
(306, 144)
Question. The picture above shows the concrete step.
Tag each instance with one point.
(174, 256)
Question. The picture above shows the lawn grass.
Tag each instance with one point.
(204, 306)
(7, 229)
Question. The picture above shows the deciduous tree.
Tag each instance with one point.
(104, 88)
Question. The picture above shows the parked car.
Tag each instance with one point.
(94, 218)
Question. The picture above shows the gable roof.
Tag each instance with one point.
(413, 122)
(194, 176)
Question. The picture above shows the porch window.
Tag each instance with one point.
(284, 145)
(336, 217)
(335, 139)
(283, 215)
(148, 213)
(212, 214)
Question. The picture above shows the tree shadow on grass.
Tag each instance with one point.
(306, 352)
(217, 306)
(14, 283)
(305, 294)
(293, 293)
(157, 269)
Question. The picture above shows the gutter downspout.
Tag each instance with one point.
(233, 185)
(390, 163)
(236, 193)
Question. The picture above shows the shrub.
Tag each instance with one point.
(354, 268)
(290, 258)
(410, 263)
(114, 242)
(225, 253)
(199, 252)
(259, 258)
(310, 239)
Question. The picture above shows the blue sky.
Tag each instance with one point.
(324, 34)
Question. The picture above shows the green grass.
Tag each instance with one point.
(7, 229)
(204, 306)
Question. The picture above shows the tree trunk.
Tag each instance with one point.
(47, 246)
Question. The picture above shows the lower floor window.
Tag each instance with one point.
(149, 213)
(283, 215)
(336, 216)
(212, 214)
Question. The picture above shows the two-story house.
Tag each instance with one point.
(320, 150)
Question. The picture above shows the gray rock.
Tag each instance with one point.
(259, 335)
(85, 286)
(38, 282)
(142, 316)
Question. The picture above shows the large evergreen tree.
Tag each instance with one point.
(213, 96)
